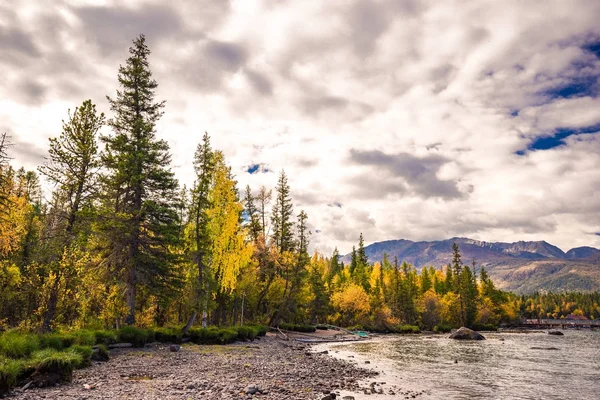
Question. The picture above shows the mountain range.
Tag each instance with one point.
(521, 267)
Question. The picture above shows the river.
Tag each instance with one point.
(505, 366)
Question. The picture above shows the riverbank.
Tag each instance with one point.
(264, 369)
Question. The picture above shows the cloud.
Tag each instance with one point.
(419, 173)
(424, 119)
(113, 28)
(260, 82)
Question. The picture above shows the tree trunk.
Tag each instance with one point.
(130, 297)
(190, 322)
(52, 302)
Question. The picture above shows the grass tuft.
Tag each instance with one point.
(137, 337)
(9, 371)
(18, 345)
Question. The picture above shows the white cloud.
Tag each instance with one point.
(450, 89)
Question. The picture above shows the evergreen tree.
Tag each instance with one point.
(353, 261)
(426, 282)
(73, 160)
(72, 167)
(362, 255)
(283, 234)
(204, 166)
(252, 213)
(140, 219)
(264, 198)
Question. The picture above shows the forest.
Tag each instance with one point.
(120, 242)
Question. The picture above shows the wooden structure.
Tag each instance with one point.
(562, 323)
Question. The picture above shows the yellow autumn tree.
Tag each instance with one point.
(352, 304)
(229, 252)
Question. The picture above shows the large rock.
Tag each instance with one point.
(466, 334)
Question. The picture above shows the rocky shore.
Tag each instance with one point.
(265, 369)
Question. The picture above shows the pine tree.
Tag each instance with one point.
(252, 213)
(73, 160)
(362, 254)
(283, 235)
(264, 198)
(204, 167)
(140, 217)
(72, 167)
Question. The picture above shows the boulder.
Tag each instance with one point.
(466, 334)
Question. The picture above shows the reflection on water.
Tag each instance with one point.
(503, 367)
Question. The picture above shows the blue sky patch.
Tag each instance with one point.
(594, 48)
(252, 169)
(557, 139)
(257, 168)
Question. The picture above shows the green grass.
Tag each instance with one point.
(246, 332)
(9, 371)
(54, 361)
(213, 335)
(101, 353)
(84, 337)
(407, 329)
(442, 328)
(18, 345)
(86, 354)
(106, 337)
(168, 335)
(137, 337)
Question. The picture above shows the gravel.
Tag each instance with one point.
(265, 369)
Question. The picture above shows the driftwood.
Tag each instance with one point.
(119, 345)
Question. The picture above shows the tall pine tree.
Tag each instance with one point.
(140, 220)
(283, 233)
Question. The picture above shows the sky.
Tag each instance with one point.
(413, 119)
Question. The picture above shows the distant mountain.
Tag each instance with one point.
(521, 266)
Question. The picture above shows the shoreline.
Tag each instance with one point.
(264, 369)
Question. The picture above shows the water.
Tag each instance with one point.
(505, 366)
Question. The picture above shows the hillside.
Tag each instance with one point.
(520, 267)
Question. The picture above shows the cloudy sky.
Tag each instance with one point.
(415, 119)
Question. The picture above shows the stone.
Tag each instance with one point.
(466, 334)
(252, 389)
(174, 348)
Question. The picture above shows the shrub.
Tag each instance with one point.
(86, 354)
(246, 332)
(442, 328)
(106, 337)
(407, 329)
(137, 337)
(54, 341)
(484, 327)
(297, 327)
(213, 335)
(84, 337)
(168, 335)
(322, 327)
(227, 335)
(9, 371)
(18, 345)
(261, 330)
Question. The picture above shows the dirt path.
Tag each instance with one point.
(279, 369)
